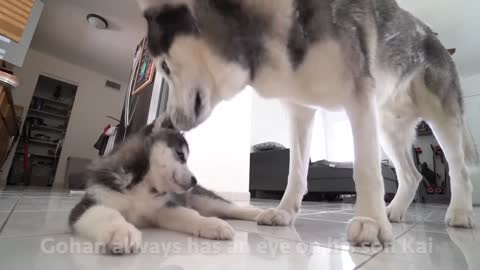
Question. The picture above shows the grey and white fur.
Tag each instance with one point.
(146, 183)
(371, 58)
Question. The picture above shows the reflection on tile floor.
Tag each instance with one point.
(34, 235)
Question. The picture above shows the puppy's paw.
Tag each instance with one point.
(367, 231)
(276, 217)
(459, 218)
(215, 229)
(124, 238)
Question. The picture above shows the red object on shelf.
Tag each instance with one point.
(438, 150)
(106, 128)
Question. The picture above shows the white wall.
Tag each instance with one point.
(93, 103)
(220, 148)
(471, 90)
(471, 85)
(269, 121)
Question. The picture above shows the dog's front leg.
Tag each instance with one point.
(301, 126)
(186, 220)
(370, 224)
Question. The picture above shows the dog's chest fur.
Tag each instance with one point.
(320, 81)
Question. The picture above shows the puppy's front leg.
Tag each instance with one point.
(189, 221)
(105, 226)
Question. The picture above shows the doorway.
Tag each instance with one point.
(43, 132)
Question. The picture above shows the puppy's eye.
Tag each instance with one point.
(165, 68)
(181, 156)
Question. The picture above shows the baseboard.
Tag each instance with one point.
(235, 196)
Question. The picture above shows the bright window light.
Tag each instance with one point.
(338, 137)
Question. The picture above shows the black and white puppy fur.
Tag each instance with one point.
(146, 182)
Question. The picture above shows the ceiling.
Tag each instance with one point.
(64, 33)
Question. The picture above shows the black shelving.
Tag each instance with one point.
(42, 142)
(37, 155)
(47, 114)
(47, 128)
(53, 101)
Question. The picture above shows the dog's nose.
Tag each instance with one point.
(198, 103)
(181, 120)
(194, 181)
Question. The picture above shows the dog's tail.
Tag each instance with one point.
(470, 150)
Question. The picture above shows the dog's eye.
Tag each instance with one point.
(181, 156)
(165, 68)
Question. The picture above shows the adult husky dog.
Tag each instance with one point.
(146, 182)
(376, 61)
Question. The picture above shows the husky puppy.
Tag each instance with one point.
(146, 183)
(376, 61)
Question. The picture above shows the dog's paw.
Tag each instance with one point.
(124, 238)
(395, 214)
(459, 218)
(365, 231)
(275, 217)
(215, 229)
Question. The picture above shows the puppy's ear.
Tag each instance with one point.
(163, 122)
(167, 123)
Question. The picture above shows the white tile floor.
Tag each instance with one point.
(34, 235)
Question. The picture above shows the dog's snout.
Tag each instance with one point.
(194, 181)
(181, 120)
(186, 116)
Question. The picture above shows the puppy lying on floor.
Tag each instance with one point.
(146, 183)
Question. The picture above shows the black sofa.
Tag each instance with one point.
(269, 172)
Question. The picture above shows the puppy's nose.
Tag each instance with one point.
(194, 181)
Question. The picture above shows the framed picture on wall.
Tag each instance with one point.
(145, 70)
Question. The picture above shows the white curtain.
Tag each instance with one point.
(332, 137)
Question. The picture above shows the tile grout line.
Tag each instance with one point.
(36, 211)
(380, 251)
(33, 235)
(9, 215)
(19, 198)
(327, 220)
(366, 261)
(339, 211)
(304, 242)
